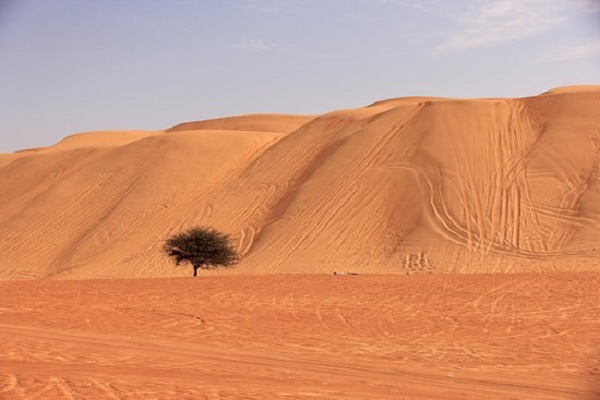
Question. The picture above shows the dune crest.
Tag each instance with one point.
(252, 122)
(407, 186)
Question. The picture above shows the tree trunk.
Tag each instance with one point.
(196, 270)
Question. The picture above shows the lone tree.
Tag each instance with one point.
(203, 247)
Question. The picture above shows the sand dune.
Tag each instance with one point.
(465, 195)
(254, 122)
(408, 186)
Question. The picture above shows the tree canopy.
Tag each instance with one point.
(202, 247)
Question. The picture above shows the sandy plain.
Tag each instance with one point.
(521, 336)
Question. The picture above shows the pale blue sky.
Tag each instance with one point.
(69, 66)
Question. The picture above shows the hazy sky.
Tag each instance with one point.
(69, 66)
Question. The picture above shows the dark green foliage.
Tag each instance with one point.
(203, 247)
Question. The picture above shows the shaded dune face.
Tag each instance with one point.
(408, 185)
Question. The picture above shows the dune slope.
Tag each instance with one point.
(408, 185)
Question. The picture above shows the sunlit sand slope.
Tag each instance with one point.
(407, 185)
(254, 122)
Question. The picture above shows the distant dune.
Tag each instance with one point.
(406, 186)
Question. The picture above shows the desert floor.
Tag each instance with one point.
(303, 337)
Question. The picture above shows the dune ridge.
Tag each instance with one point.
(407, 186)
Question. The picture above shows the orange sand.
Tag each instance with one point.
(303, 337)
(474, 225)
(409, 185)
